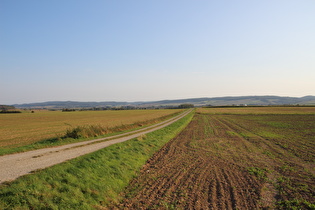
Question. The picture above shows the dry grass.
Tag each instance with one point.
(26, 128)
(258, 110)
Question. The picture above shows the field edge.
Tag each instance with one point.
(91, 181)
(60, 141)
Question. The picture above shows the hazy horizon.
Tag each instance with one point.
(155, 50)
(35, 102)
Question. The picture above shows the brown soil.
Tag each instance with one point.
(204, 167)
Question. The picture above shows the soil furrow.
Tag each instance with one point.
(207, 167)
(195, 173)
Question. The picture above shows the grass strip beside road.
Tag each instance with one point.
(90, 181)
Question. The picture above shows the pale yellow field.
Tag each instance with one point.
(258, 110)
(25, 128)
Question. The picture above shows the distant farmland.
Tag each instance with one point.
(258, 110)
(26, 128)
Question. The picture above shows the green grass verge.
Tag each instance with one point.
(90, 181)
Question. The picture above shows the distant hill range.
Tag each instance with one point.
(218, 101)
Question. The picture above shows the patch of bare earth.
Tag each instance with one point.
(204, 167)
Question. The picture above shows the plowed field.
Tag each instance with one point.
(231, 162)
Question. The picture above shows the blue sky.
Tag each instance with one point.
(140, 50)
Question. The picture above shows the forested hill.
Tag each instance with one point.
(218, 101)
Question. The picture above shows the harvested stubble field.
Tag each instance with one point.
(262, 158)
(26, 128)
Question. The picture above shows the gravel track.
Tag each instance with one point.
(15, 165)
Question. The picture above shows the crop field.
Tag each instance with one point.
(26, 128)
(225, 158)
(250, 158)
(92, 181)
(258, 110)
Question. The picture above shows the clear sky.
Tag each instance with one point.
(144, 50)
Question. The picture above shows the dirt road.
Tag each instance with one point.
(16, 165)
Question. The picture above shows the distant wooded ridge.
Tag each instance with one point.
(216, 101)
(4, 109)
